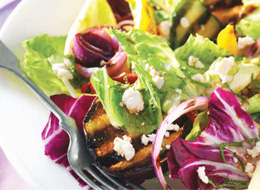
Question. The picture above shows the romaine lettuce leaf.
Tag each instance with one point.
(216, 147)
(41, 52)
(254, 104)
(148, 50)
(199, 47)
(111, 97)
(250, 25)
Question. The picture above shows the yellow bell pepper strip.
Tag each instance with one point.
(227, 39)
(143, 15)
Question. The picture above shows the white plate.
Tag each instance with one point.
(22, 115)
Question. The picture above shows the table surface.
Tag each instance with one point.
(9, 178)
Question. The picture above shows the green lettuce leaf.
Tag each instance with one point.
(41, 53)
(201, 48)
(250, 25)
(150, 50)
(254, 104)
(200, 123)
(110, 94)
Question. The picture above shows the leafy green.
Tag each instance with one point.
(254, 104)
(144, 123)
(200, 123)
(201, 48)
(250, 25)
(41, 53)
(148, 50)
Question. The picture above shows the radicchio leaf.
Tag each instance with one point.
(56, 140)
(228, 123)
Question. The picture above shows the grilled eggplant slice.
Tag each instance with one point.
(100, 135)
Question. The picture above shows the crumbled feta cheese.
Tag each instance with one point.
(179, 91)
(61, 71)
(202, 174)
(195, 62)
(167, 134)
(164, 29)
(183, 67)
(168, 147)
(173, 127)
(245, 41)
(145, 140)
(198, 77)
(151, 137)
(184, 22)
(121, 104)
(224, 66)
(159, 81)
(133, 100)
(235, 159)
(147, 66)
(225, 78)
(254, 152)
(124, 147)
(249, 169)
(153, 72)
(167, 67)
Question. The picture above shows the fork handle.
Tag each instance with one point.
(9, 62)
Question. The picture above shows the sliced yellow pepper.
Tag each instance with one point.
(227, 39)
(143, 16)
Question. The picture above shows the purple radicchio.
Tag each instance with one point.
(220, 150)
(56, 140)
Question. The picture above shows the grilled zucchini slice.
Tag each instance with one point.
(100, 135)
(191, 17)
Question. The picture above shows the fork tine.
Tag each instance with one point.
(134, 185)
(115, 181)
(100, 179)
(88, 180)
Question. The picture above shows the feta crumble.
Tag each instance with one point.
(173, 127)
(244, 42)
(146, 139)
(254, 152)
(61, 71)
(159, 81)
(202, 174)
(184, 22)
(179, 91)
(195, 62)
(224, 66)
(249, 169)
(168, 147)
(198, 77)
(133, 100)
(124, 148)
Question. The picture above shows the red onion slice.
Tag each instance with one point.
(84, 71)
(185, 107)
(94, 45)
(254, 50)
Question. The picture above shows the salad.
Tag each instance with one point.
(178, 80)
